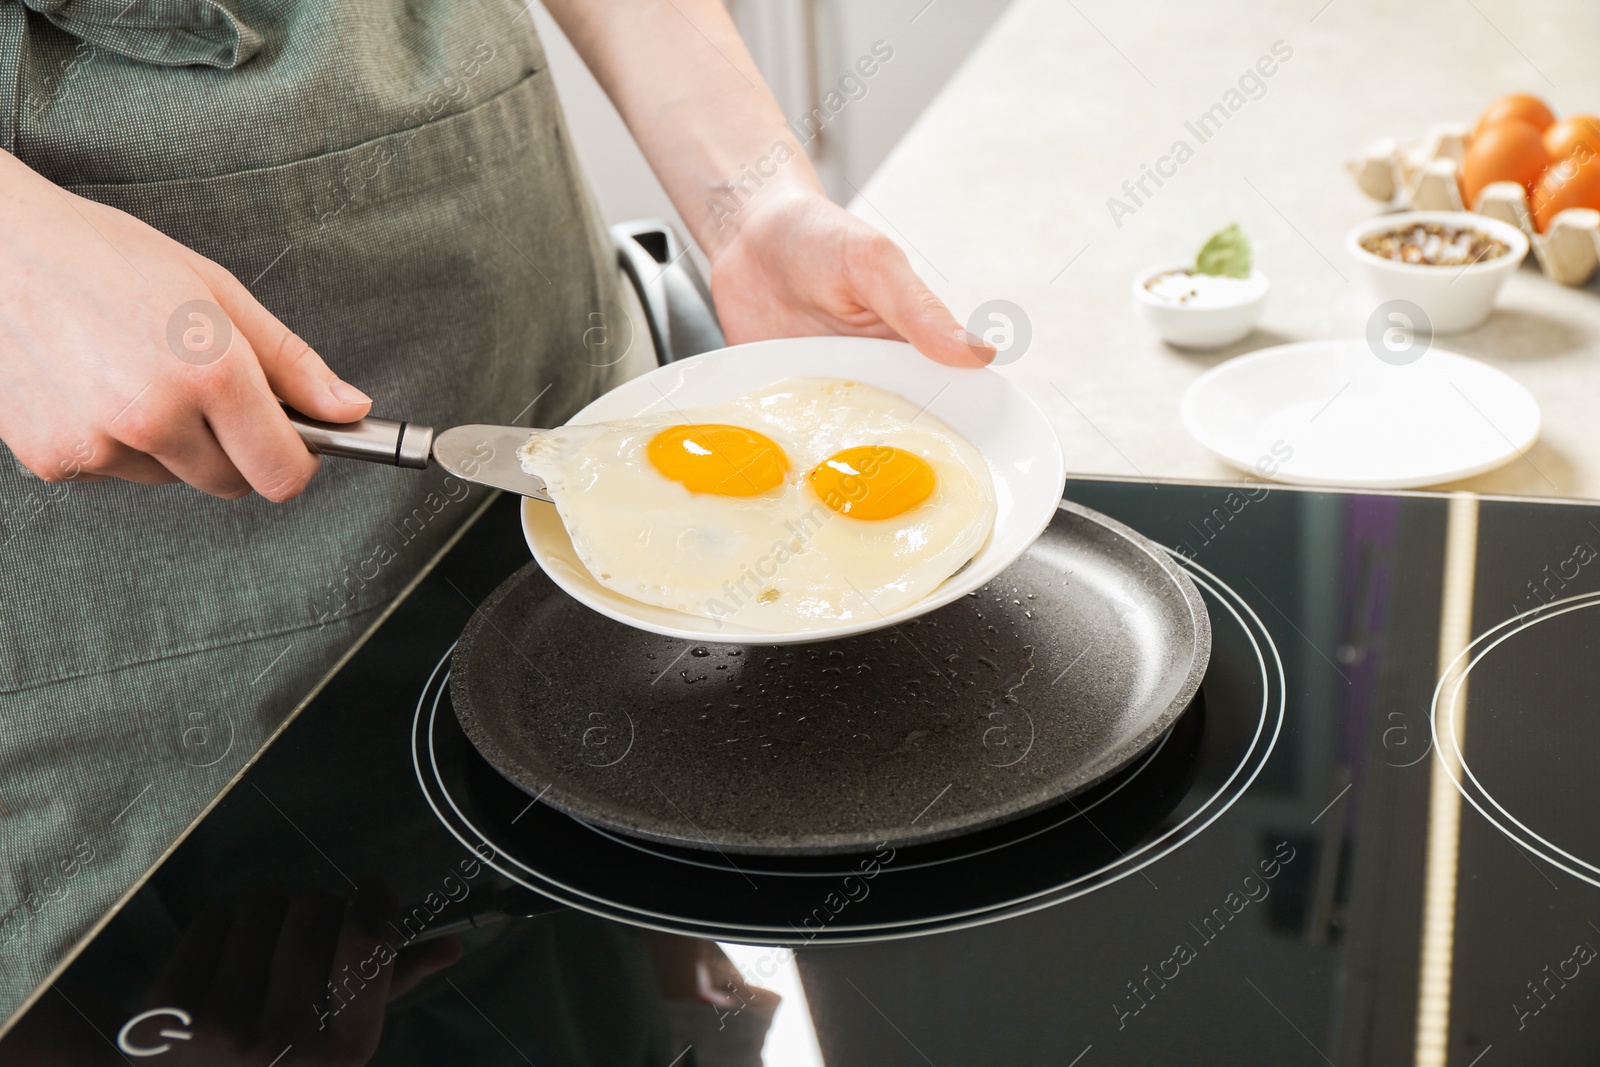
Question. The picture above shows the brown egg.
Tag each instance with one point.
(1510, 151)
(1519, 106)
(1571, 134)
(1569, 183)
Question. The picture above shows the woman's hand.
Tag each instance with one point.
(124, 354)
(800, 265)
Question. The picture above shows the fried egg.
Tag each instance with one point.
(811, 502)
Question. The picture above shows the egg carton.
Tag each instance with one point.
(1421, 176)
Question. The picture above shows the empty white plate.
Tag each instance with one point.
(1332, 413)
(1015, 437)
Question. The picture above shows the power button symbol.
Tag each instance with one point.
(125, 1039)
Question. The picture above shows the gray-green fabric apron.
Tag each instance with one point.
(393, 180)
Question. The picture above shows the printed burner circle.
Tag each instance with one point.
(1098, 837)
(1530, 735)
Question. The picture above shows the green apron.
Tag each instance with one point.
(393, 180)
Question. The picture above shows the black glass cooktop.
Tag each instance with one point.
(1298, 872)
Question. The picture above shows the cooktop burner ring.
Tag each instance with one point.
(1237, 779)
(1446, 694)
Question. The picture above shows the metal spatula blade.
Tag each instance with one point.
(488, 455)
(483, 454)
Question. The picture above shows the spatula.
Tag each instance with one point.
(483, 454)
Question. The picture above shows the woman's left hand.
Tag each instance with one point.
(800, 265)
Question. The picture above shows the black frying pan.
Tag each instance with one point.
(1045, 682)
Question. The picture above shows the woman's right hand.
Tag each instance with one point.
(124, 354)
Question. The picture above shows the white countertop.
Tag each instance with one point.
(1000, 191)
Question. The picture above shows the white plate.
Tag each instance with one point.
(1332, 413)
(1014, 436)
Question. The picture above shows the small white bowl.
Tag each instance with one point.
(1453, 298)
(1203, 326)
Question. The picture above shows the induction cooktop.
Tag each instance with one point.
(1371, 838)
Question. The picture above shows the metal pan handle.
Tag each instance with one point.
(677, 303)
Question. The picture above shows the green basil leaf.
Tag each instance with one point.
(1228, 252)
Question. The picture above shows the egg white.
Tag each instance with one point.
(783, 561)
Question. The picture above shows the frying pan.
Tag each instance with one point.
(1049, 678)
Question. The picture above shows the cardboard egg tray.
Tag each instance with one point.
(1421, 176)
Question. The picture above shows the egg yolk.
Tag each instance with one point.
(714, 458)
(873, 481)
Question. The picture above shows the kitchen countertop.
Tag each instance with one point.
(1000, 191)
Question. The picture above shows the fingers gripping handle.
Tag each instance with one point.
(398, 444)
